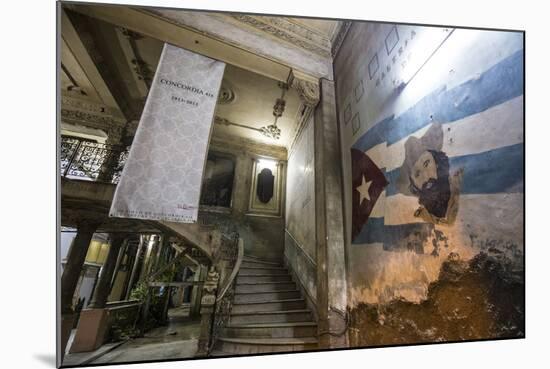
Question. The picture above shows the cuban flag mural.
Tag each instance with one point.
(435, 166)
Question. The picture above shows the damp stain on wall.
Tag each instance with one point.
(479, 299)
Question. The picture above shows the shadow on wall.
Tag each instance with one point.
(482, 298)
(263, 236)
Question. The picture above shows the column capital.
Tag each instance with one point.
(307, 87)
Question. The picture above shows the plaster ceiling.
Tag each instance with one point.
(255, 97)
(115, 55)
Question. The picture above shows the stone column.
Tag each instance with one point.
(103, 287)
(331, 261)
(93, 323)
(71, 274)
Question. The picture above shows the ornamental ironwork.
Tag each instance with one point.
(228, 252)
(93, 161)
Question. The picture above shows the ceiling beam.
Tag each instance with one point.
(81, 55)
(163, 30)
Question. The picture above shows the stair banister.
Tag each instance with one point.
(234, 272)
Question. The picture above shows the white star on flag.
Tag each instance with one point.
(364, 190)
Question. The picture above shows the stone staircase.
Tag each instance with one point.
(269, 313)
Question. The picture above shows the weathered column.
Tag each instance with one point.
(208, 302)
(331, 262)
(149, 258)
(71, 274)
(93, 322)
(121, 254)
(196, 294)
(135, 267)
(103, 288)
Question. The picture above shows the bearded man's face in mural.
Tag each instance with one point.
(429, 181)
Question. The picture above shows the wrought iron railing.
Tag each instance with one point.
(123, 316)
(229, 257)
(92, 161)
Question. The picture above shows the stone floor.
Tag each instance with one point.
(177, 340)
(84, 358)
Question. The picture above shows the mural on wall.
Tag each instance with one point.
(433, 176)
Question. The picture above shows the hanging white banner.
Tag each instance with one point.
(162, 177)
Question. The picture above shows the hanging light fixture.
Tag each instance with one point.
(272, 131)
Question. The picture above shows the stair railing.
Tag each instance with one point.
(219, 291)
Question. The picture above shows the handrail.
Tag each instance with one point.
(235, 271)
(232, 250)
(134, 304)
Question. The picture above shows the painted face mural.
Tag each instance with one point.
(430, 182)
(425, 174)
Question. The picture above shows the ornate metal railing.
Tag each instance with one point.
(123, 316)
(230, 257)
(92, 161)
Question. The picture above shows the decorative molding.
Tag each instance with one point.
(226, 95)
(339, 37)
(89, 119)
(309, 91)
(92, 107)
(283, 34)
(309, 95)
(288, 24)
(112, 126)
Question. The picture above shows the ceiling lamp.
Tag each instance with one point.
(272, 131)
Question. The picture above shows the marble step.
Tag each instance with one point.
(271, 330)
(266, 296)
(260, 260)
(246, 270)
(265, 286)
(260, 277)
(240, 346)
(276, 305)
(258, 263)
(285, 316)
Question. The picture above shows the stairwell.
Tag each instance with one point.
(269, 313)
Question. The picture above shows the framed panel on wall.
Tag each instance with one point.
(266, 187)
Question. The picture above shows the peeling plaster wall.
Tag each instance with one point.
(465, 102)
(300, 246)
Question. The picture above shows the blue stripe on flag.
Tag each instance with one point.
(495, 171)
(498, 84)
(392, 236)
